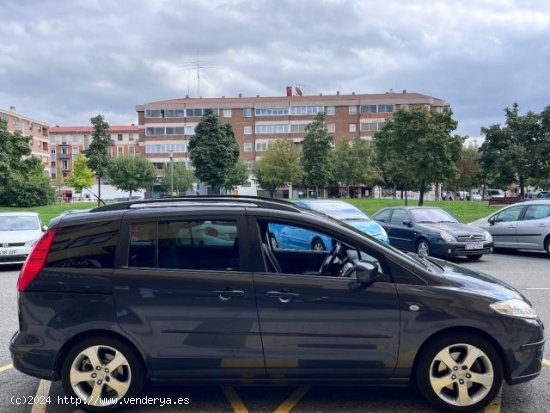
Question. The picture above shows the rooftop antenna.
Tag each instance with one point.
(195, 65)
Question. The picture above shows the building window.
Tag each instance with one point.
(371, 126)
(131, 150)
(52, 151)
(53, 164)
(189, 130)
(247, 112)
(331, 127)
(226, 113)
(353, 127)
(275, 128)
(119, 150)
(247, 147)
(165, 147)
(271, 111)
(369, 109)
(261, 146)
(352, 110)
(249, 165)
(331, 110)
(175, 130)
(248, 130)
(119, 137)
(194, 112)
(131, 137)
(77, 139)
(306, 110)
(174, 113)
(298, 128)
(385, 108)
(154, 113)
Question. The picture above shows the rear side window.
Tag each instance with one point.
(191, 244)
(399, 216)
(537, 212)
(86, 245)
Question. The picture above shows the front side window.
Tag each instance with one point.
(510, 214)
(398, 216)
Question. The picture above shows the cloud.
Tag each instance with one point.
(63, 62)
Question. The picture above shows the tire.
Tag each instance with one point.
(318, 245)
(423, 248)
(473, 257)
(547, 246)
(127, 374)
(462, 393)
(273, 241)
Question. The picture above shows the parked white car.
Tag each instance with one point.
(19, 231)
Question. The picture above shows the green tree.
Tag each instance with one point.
(416, 148)
(469, 170)
(354, 164)
(131, 173)
(279, 166)
(98, 152)
(23, 182)
(181, 177)
(237, 176)
(316, 154)
(519, 150)
(81, 176)
(213, 150)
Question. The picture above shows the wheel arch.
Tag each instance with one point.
(463, 329)
(62, 353)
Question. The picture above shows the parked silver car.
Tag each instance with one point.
(523, 226)
(19, 231)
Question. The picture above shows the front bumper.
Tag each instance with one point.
(13, 255)
(455, 249)
(528, 362)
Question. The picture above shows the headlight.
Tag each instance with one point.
(447, 237)
(30, 244)
(488, 236)
(514, 308)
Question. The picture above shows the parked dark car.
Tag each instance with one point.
(433, 231)
(543, 195)
(190, 290)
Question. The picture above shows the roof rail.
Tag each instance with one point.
(260, 202)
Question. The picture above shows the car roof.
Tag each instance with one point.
(19, 214)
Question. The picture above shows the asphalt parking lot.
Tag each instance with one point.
(528, 272)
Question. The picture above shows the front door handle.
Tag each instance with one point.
(283, 296)
(226, 294)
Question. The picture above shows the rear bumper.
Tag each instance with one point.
(31, 361)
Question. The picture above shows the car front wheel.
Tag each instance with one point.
(423, 248)
(101, 371)
(459, 372)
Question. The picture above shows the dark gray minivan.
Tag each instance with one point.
(192, 290)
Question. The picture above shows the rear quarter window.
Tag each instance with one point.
(86, 245)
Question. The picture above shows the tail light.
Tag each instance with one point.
(35, 261)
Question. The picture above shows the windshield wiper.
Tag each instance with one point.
(444, 222)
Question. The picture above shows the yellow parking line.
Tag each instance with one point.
(234, 399)
(292, 400)
(41, 395)
(546, 362)
(494, 407)
(6, 367)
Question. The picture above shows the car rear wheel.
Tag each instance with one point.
(459, 372)
(423, 248)
(318, 245)
(101, 371)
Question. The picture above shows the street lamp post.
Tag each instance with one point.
(171, 153)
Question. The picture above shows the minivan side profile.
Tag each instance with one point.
(191, 289)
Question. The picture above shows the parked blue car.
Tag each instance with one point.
(288, 237)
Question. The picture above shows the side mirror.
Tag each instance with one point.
(407, 223)
(492, 220)
(366, 272)
(44, 228)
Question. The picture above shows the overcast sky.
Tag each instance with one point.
(65, 61)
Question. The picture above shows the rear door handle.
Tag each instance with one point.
(283, 296)
(226, 294)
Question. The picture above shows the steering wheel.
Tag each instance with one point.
(331, 257)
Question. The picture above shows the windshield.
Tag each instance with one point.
(432, 215)
(340, 211)
(15, 223)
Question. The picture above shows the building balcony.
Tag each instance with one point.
(64, 155)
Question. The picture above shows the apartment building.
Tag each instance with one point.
(166, 126)
(39, 131)
(66, 142)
